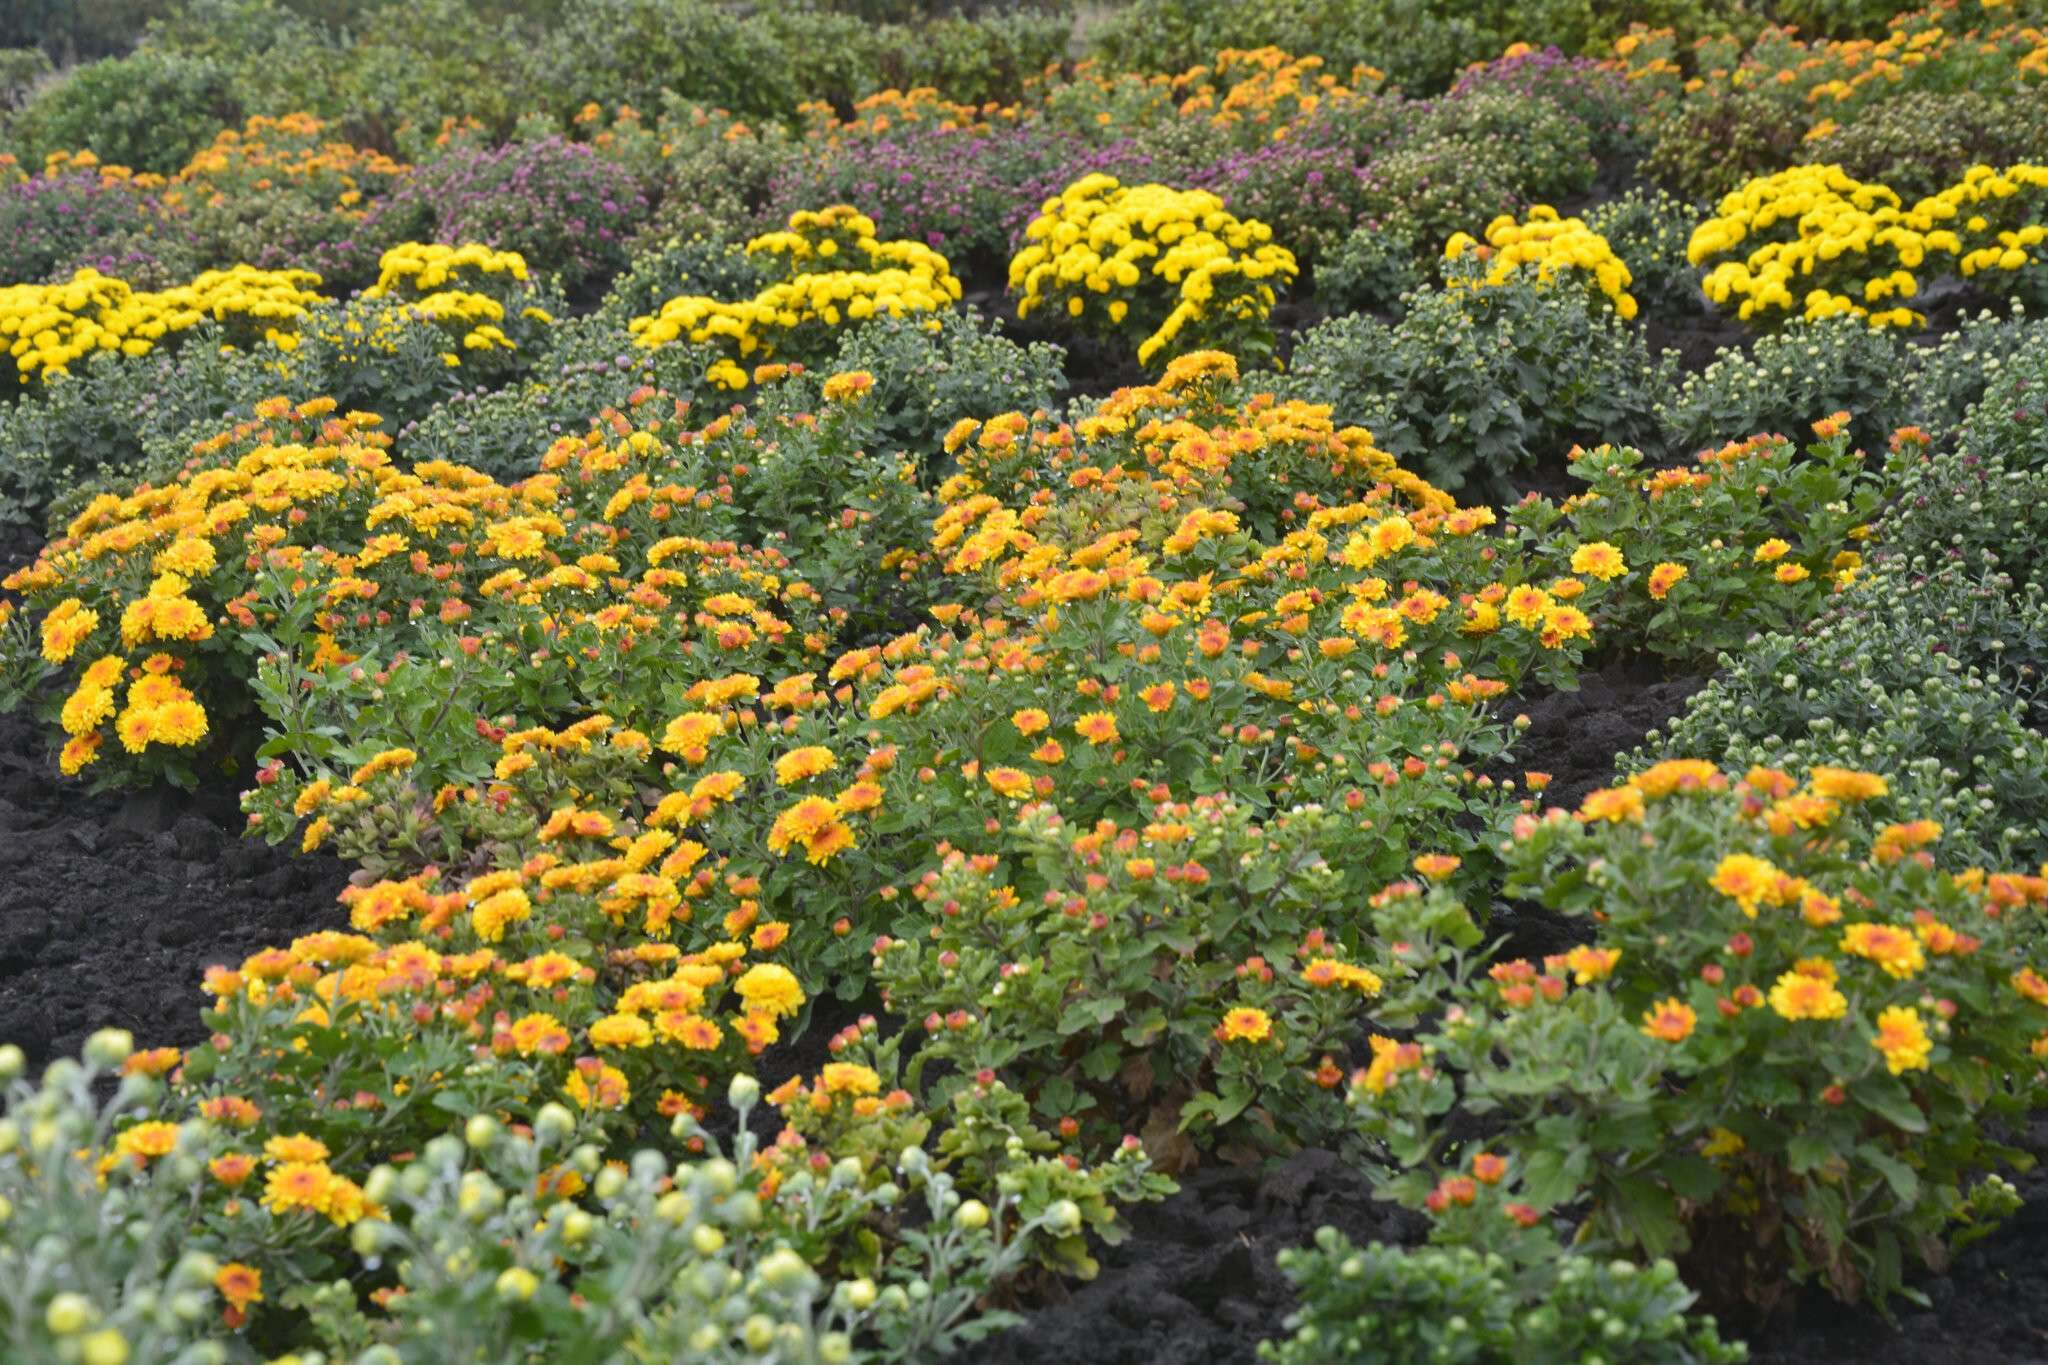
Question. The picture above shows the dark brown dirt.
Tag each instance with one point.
(111, 910)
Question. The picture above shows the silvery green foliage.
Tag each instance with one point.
(667, 1259)
(99, 1264)
(1980, 497)
(1649, 229)
(1476, 386)
(1785, 381)
(1382, 1305)
(1935, 679)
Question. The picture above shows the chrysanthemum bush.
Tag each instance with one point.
(282, 191)
(1776, 1060)
(1165, 980)
(1107, 761)
(1546, 245)
(1745, 103)
(1174, 269)
(1925, 674)
(826, 270)
(1648, 230)
(1975, 498)
(76, 213)
(1521, 1297)
(1785, 379)
(52, 326)
(1756, 534)
(1815, 242)
(149, 1230)
(1475, 387)
(484, 300)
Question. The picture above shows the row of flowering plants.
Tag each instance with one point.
(624, 803)
(1136, 769)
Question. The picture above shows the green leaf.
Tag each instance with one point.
(1691, 1177)
(1808, 1151)
(1652, 1214)
(1885, 1097)
(1903, 1179)
(1102, 1061)
(1547, 1179)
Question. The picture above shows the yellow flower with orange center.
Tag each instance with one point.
(1011, 782)
(1598, 559)
(1747, 880)
(241, 1285)
(1895, 950)
(1097, 727)
(1245, 1025)
(1902, 1039)
(799, 765)
(1848, 784)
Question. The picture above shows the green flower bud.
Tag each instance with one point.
(516, 1284)
(554, 1123)
(108, 1048)
(758, 1332)
(68, 1314)
(783, 1270)
(104, 1347)
(380, 1185)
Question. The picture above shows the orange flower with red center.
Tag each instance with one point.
(1671, 1020)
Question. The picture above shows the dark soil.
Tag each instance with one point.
(1196, 1284)
(111, 910)
(1575, 736)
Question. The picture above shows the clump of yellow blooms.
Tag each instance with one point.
(832, 269)
(419, 269)
(1176, 264)
(47, 326)
(2002, 222)
(439, 282)
(1821, 243)
(1552, 245)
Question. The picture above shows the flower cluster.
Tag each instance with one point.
(827, 269)
(1550, 244)
(1172, 267)
(1816, 242)
(471, 290)
(1796, 1003)
(51, 326)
